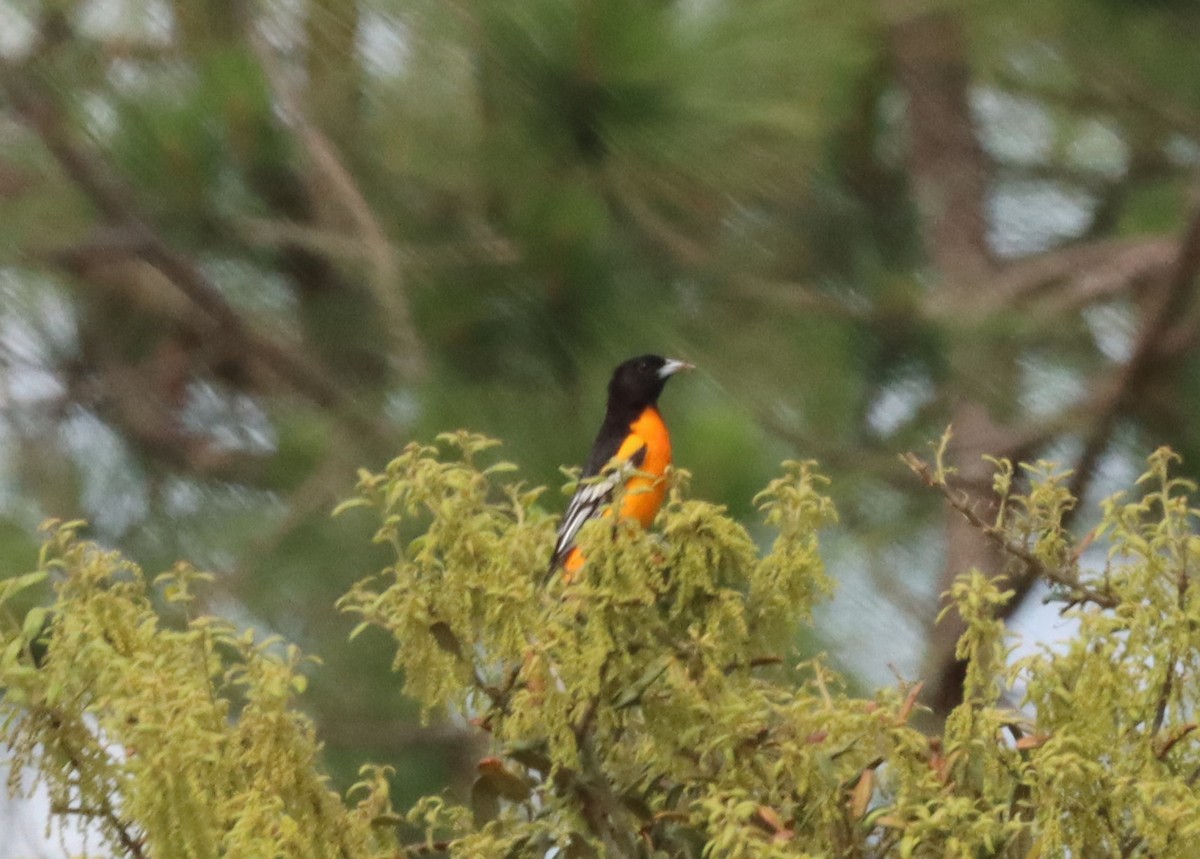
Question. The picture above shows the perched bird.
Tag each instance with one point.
(633, 446)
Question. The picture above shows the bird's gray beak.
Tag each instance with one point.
(672, 367)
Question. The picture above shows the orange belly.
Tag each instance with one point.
(645, 491)
(645, 494)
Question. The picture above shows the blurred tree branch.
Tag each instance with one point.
(36, 108)
(949, 174)
(339, 201)
(1097, 89)
(273, 233)
(1065, 280)
(1172, 300)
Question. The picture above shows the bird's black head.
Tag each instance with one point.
(637, 383)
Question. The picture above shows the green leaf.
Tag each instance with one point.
(16, 584)
(350, 504)
(35, 620)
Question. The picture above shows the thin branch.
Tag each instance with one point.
(1178, 260)
(1182, 583)
(1181, 327)
(273, 233)
(1119, 87)
(1097, 90)
(752, 663)
(798, 298)
(960, 502)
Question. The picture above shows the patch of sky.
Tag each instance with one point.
(1045, 386)
(898, 402)
(232, 422)
(1112, 329)
(114, 494)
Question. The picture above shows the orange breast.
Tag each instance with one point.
(644, 494)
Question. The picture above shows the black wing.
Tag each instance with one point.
(589, 501)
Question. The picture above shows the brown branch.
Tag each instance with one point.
(15, 181)
(1106, 90)
(600, 808)
(1116, 87)
(1083, 273)
(1117, 394)
(753, 662)
(1182, 324)
(1164, 694)
(949, 180)
(945, 160)
(147, 421)
(603, 810)
(798, 298)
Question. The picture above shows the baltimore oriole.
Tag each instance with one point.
(633, 446)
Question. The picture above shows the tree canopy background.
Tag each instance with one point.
(247, 247)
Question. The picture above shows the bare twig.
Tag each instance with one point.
(1171, 741)
(1115, 395)
(798, 297)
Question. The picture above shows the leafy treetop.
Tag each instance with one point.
(639, 710)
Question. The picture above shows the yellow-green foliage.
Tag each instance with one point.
(638, 710)
(178, 737)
